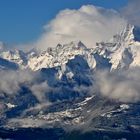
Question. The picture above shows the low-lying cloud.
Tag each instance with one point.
(12, 81)
(89, 24)
(123, 86)
(39, 91)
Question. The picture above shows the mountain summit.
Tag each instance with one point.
(123, 49)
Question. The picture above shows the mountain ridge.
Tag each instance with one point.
(123, 51)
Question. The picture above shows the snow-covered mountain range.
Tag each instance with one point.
(67, 68)
(123, 51)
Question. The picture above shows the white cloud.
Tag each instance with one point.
(10, 80)
(89, 24)
(39, 91)
(122, 86)
(132, 12)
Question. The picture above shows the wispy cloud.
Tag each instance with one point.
(39, 91)
(132, 12)
(12, 81)
(123, 86)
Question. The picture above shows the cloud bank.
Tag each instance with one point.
(12, 81)
(89, 24)
(123, 86)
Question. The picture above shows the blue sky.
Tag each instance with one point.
(22, 21)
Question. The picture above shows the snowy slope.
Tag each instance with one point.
(123, 51)
(60, 55)
(16, 56)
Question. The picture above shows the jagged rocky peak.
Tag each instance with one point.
(74, 45)
(123, 49)
(58, 56)
(130, 34)
(126, 36)
(78, 44)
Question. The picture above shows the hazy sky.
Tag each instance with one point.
(22, 21)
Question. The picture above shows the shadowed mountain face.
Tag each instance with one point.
(137, 33)
(71, 89)
(5, 64)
